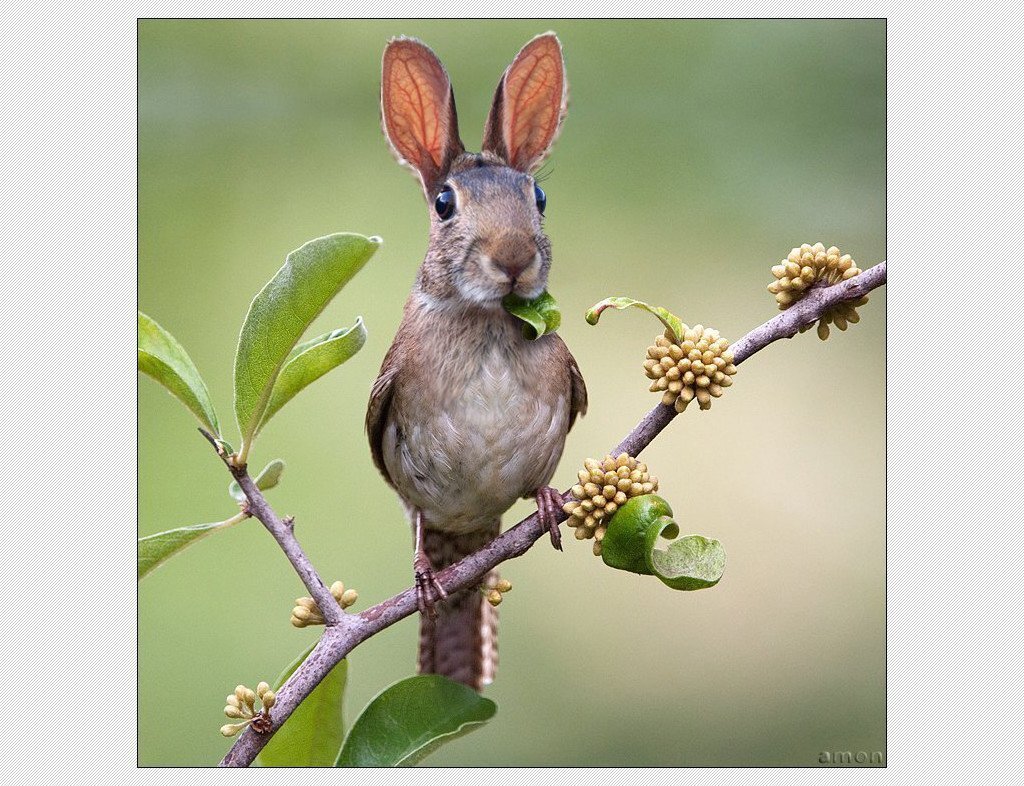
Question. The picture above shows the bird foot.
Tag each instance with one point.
(549, 505)
(428, 589)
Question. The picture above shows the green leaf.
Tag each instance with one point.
(630, 543)
(269, 477)
(313, 733)
(690, 563)
(625, 541)
(166, 361)
(281, 313)
(540, 315)
(156, 549)
(310, 360)
(412, 718)
(668, 319)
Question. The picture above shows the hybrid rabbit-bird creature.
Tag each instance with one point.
(467, 415)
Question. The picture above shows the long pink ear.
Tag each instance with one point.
(529, 105)
(418, 110)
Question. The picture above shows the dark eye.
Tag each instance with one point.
(541, 197)
(445, 203)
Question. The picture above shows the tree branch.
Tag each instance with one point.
(353, 629)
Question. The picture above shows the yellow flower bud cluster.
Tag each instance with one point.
(495, 588)
(808, 266)
(604, 487)
(700, 367)
(242, 704)
(306, 612)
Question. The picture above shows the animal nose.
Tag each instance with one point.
(513, 268)
(512, 258)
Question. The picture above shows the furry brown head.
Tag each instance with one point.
(486, 238)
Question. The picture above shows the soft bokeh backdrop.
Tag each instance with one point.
(695, 155)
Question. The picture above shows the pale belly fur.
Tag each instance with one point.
(493, 435)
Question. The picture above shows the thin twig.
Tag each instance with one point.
(284, 533)
(336, 643)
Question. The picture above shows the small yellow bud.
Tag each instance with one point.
(262, 688)
(503, 585)
(231, 729)
(349, 597)
(269, 699)
(494, 597)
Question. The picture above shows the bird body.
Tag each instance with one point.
(472, 426)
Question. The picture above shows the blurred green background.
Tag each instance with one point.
(695, 155)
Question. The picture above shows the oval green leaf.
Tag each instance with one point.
(668, 319)
(412, 718)
(690, 563)
(267, 479)
(630, 543)
(156, 549)
(311, 360)
(165, 360)
(313, 733)
(281, 313)
(540, 315)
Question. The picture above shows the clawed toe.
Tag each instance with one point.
(429, 591)
(549, 502)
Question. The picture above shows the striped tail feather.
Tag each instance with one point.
(461, 642)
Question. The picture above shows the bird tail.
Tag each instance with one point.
(461, 642)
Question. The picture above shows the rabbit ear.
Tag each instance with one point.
(529, 105)
(418, 110)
